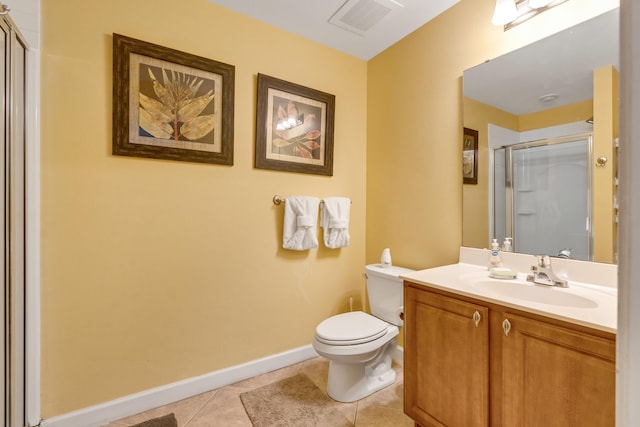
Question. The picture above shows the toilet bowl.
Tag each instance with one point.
(360, 346)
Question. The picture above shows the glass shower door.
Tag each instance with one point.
(548, 196)
(13, 130)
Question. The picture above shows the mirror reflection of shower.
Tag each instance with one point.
(542, 196)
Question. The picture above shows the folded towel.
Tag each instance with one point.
(300, 218)
(334, 219)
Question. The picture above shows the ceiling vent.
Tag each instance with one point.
(358, 16)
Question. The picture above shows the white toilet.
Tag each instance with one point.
(358, 345)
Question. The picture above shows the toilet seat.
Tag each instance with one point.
(351, 328)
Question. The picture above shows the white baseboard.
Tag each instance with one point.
(106, 412)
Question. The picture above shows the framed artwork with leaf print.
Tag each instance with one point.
(169, 104)
(294, 127)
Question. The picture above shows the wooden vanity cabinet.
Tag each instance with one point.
(556, 375)
(446, 360)
(502, 367)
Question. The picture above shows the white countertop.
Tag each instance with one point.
(594, 306)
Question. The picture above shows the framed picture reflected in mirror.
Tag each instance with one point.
(470, 156)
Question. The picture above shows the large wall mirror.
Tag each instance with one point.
(547, 122)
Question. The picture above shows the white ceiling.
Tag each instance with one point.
(310, 19)
(562, 64)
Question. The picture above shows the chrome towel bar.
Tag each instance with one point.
(278, 200)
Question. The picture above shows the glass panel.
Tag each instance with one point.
(3, 217)
(18, 227)
(551, 199)
(12, 123)
(500, 192)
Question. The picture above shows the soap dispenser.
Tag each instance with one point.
(494, 257)
(506, 245)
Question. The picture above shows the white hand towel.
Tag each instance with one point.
(334, 219)
(300, 218)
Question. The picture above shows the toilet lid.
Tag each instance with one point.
(355, 327)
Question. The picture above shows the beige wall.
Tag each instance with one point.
(414, 179)
(155, 271)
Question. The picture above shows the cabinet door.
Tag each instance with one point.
(446, 360)
(554, 376)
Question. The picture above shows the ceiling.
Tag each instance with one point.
(310, 19)
(560, 64)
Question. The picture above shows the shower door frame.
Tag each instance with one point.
(509, 190)
(15, 217)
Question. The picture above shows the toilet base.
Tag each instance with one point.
(349, 382)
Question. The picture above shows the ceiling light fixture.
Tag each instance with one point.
(537, 4)
(549, 97)
(504, 13)
(509, 13)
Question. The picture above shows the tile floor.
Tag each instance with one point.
(222, 407)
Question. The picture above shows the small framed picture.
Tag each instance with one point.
(294, 127)
(169, 104)
(470, 156)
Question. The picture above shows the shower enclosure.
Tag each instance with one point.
(13, 94)
(542, 196)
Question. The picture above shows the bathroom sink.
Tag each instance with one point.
(591, 304)
(542, 294)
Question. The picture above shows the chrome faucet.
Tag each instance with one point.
(564, 253)
(543, 274)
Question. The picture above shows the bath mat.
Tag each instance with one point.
(292, 402)
(164, 421)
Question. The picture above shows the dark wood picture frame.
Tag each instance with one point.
(294, 127)
(169, 104)
(470, 156)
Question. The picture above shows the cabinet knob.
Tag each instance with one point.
(506, 326)
(476, 318)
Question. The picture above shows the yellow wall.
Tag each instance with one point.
(475, 202)
(605, 130)
(414, 177)
(576, 112)
(155, 271)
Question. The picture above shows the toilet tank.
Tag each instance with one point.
(385, 291)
